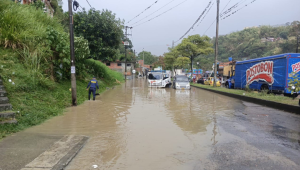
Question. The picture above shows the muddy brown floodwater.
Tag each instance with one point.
(133, 127)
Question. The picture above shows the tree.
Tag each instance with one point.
(194, 45)
(170, 59)
(149, 58)
(160, 62)
(284, 35)
(103, 31)
(181, 62)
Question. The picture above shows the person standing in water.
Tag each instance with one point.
(93, 84)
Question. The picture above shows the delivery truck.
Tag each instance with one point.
(270, 73)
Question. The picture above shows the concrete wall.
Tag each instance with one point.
(121, 69)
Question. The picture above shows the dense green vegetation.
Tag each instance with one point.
(258, 42)
(190, 48)
(35, 65)
(148, 57)
(253, 43)
(245, 44)
(103, 31)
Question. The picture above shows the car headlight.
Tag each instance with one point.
(293, 87)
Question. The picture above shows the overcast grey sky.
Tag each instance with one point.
(157, 35)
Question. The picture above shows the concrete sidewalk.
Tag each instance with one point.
(36, 151)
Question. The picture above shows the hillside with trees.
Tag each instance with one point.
(259, 41)
(248, 43)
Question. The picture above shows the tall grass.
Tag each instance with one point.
(100, 70)
(23, 25)
(43, 99)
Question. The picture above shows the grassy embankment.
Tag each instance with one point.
(254, 94)
(35, 56)
(37, 102)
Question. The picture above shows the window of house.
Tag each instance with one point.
(107, 64)
(129, 64)
(119, 64)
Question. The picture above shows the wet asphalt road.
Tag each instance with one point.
(134, 127)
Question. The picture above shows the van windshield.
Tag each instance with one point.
(153, 76)
(182, 79)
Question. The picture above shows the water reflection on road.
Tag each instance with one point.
(135, 127)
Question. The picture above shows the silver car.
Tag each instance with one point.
(181, 82)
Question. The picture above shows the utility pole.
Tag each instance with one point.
(126, 44)
(173, 44)
(297, 44)
(143, 58)
(216, 46)
(73, 76)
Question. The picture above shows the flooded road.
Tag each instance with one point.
(133, 127)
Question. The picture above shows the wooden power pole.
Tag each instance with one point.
(216, 45)
(73, 76)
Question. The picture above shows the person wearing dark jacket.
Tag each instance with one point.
(93, 84)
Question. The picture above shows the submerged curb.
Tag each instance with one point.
(59, 155)
(276, 105)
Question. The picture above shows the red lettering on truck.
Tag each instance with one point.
(261, 71)
(296, 67)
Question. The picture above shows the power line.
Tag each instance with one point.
(233, 7)
(153, 12)
(205, 14)
(88, 3)
(195, 21)
(222, 13)
(143, 11)
(238, 10)
(161, 14)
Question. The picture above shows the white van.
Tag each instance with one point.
(159, 79)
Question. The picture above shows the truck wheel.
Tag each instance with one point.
(264, 87)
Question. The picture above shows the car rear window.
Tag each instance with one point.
(182, 79)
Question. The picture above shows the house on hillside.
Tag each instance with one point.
(119, 66)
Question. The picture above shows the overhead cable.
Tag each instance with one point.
(153, 12)
(160, 14)
(143, 11)
(206, 14)
(197, 20)
(233, 7)
(221, 13)
(234, 12)
(88, 3)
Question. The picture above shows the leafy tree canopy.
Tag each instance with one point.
(195, 45)
(103, 31)
(149, 58)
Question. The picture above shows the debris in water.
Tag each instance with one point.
(95, 166)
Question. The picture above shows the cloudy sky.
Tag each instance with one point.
(157, 35)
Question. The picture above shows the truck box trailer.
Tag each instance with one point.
(271, 73)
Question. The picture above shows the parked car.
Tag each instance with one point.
(181, 82)
(210, 81)
(206, 82)
(201, 81)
